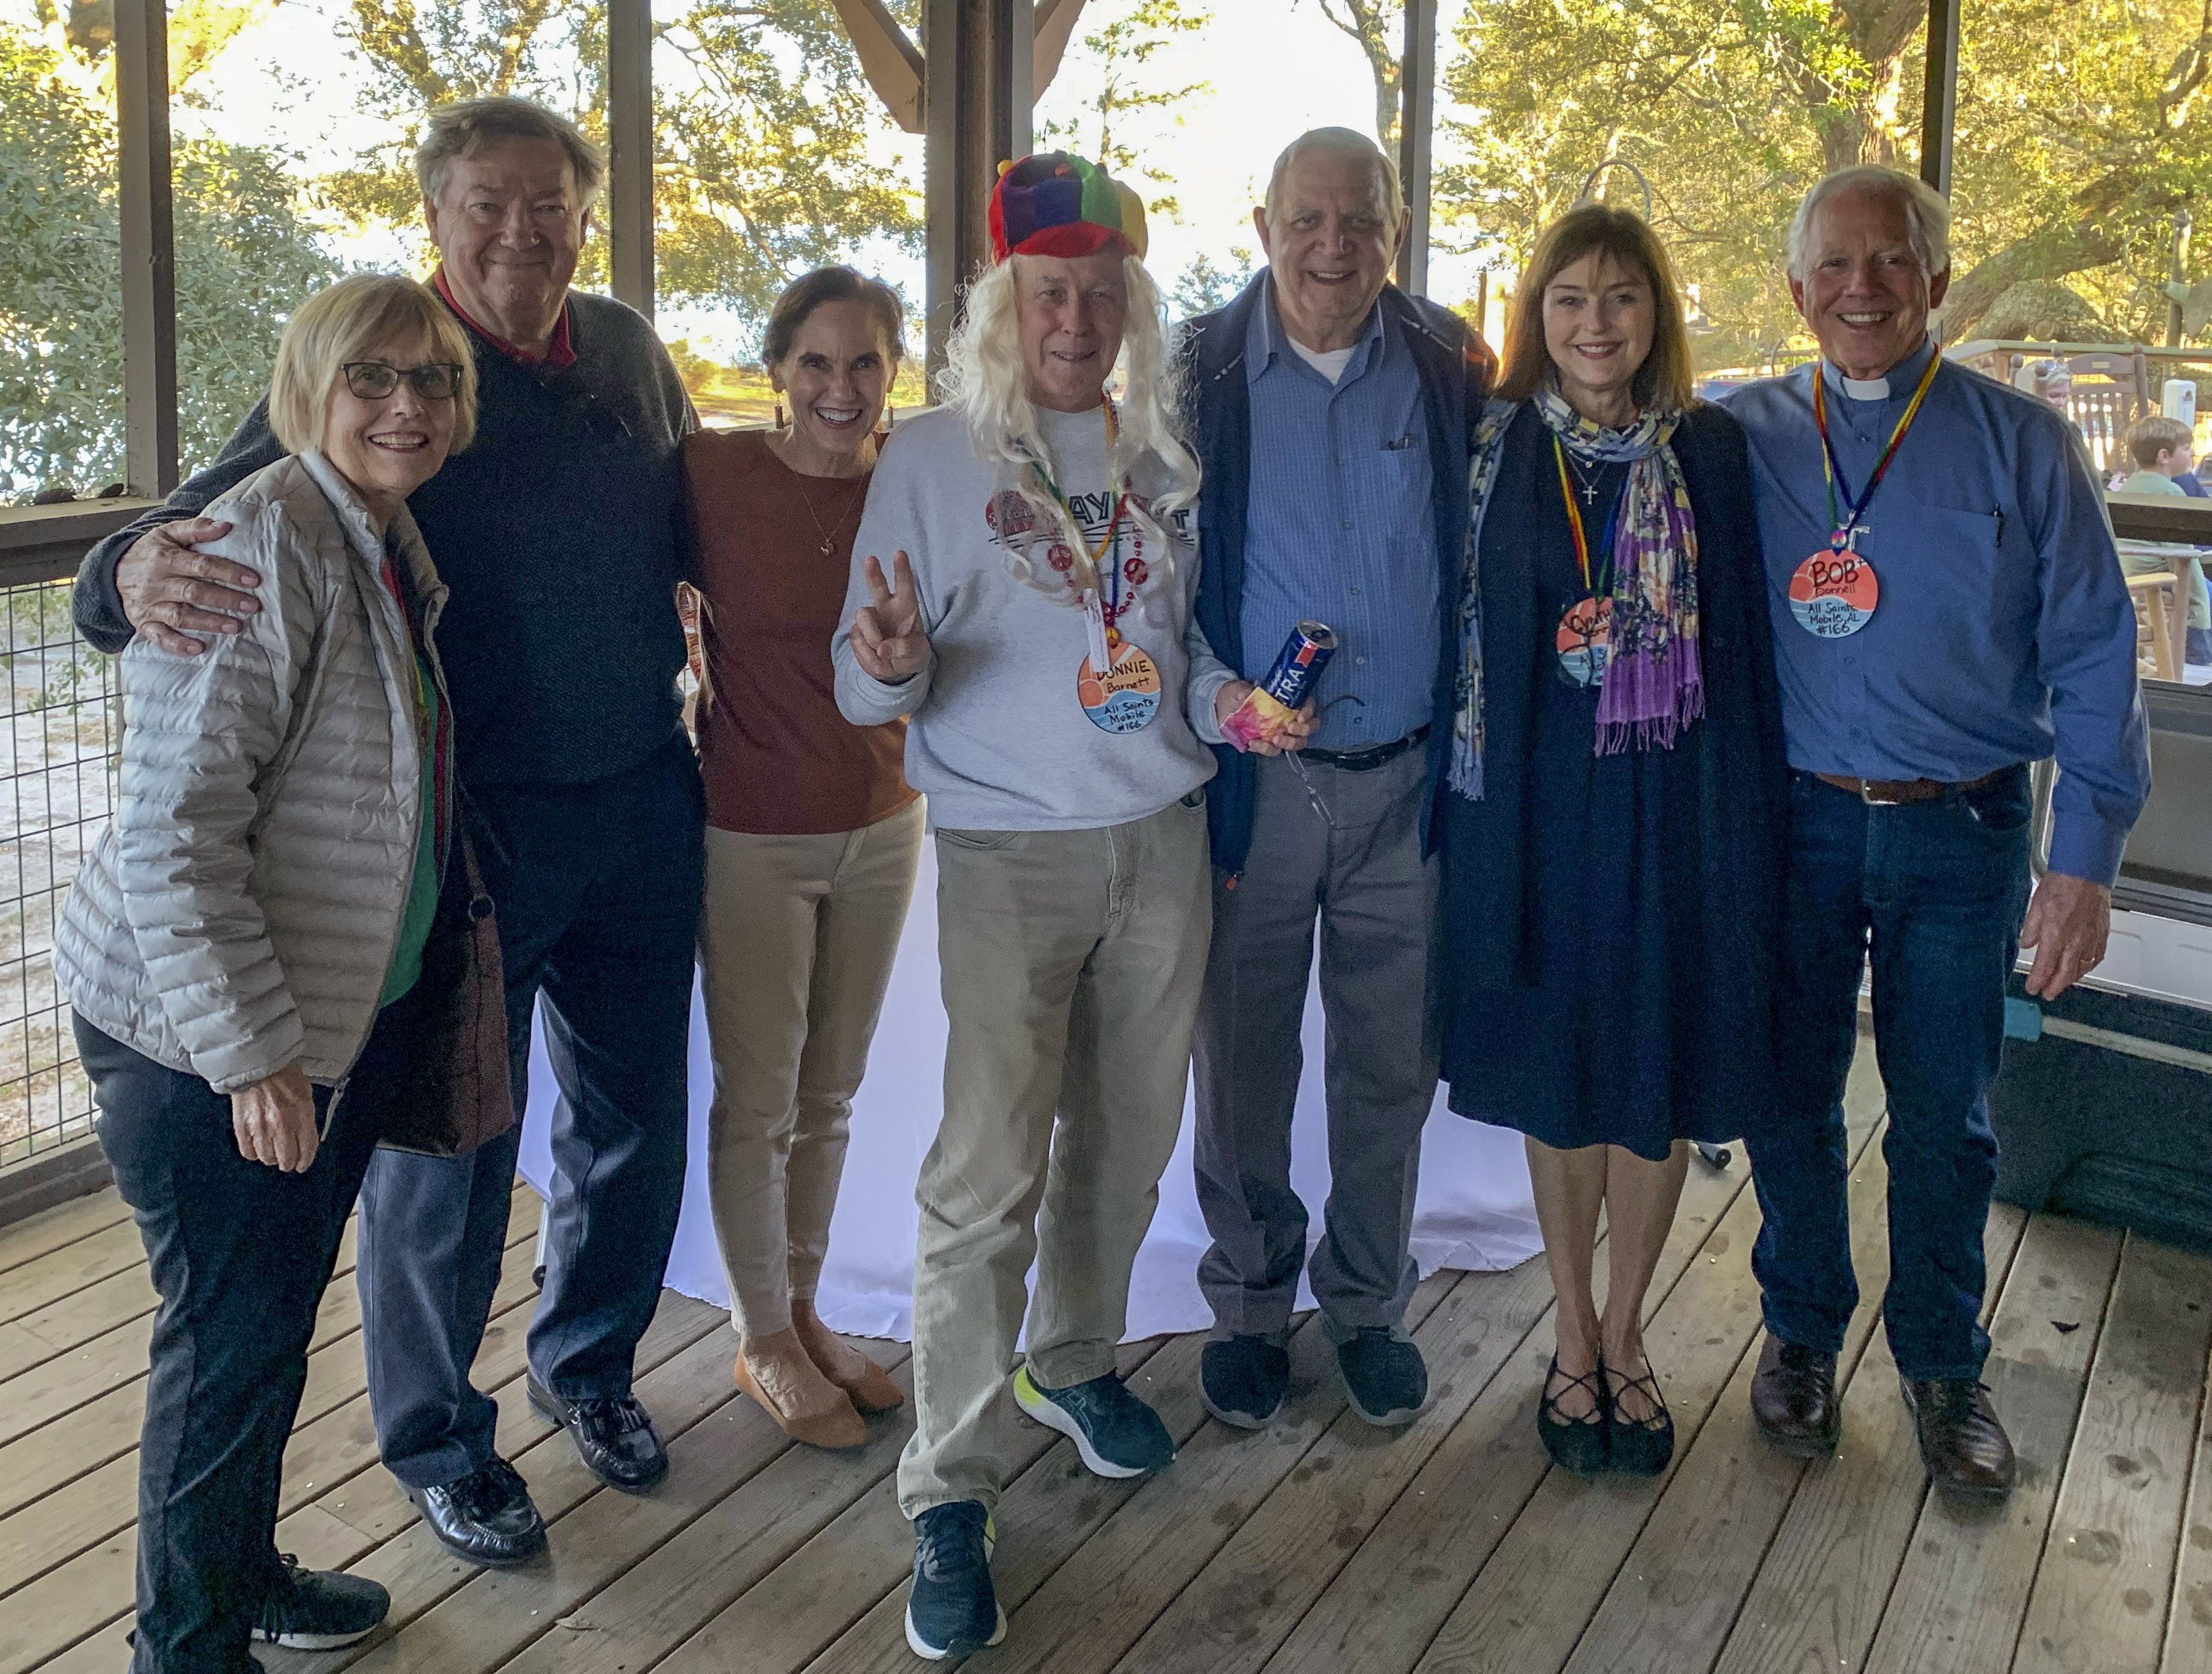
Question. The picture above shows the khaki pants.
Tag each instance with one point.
(795, 951)
(1072, 963)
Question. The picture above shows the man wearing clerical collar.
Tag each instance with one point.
(1947, 609)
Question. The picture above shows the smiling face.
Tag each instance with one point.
(1865, 294)
(390, 447)
(509, 224)
(836, 374)
(1598, 321)
(1071, 310)
(1330, 244)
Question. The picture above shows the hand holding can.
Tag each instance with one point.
(1266, 720)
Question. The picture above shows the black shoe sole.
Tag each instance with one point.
(543, 1410)
(509, 1562)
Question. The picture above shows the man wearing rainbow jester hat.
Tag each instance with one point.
(1034, 623)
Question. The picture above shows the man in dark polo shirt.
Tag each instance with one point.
(557, 532)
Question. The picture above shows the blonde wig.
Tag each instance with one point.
(344, 321)
(984, 381)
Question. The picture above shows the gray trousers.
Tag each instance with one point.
(1346, 846)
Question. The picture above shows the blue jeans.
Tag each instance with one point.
(1933, 893)
(598, 887)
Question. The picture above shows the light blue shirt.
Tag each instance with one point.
(2003, 631)
(1340, 529)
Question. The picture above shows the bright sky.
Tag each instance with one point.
(1274, 68)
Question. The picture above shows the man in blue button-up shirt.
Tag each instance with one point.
(1332, 413)
(1998, 632)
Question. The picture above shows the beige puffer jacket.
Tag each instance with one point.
(240, 913)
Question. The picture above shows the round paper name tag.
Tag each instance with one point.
(1584, 640)
(1833, 593)
(1127, 697)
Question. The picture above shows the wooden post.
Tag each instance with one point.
(629, 152)
(978, 59)
(149, 246)
(1417, 96)
(1939, 106)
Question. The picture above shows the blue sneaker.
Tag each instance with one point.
(950, 1609)
(1116, 1434)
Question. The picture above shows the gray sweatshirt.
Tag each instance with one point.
(999, 740)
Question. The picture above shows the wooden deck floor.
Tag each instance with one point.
(1317, 1546)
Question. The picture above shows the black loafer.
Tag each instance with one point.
(614, 1436)
(1242, 1381)
(319, 1609)
(1384, 1377)
(485, 1517)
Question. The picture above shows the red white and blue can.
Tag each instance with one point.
(1299, 664)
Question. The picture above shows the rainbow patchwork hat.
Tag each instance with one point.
(1055, 204)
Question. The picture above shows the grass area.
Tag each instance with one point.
(741, 397)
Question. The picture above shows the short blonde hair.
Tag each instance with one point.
(467, 125)
(1665, 379)
(343, 321)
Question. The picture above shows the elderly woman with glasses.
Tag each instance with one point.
(259, 953)
(1612, 858)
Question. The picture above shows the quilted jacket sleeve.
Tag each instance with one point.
(200, 733)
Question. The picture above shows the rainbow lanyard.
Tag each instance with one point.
(1575, 524)
(1832, 468)
(1112, 538)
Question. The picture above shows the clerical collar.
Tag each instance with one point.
(1902, 379)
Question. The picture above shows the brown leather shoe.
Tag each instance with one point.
(1964, 1446)
(1794, 1400)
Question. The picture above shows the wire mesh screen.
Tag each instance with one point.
(63, 727)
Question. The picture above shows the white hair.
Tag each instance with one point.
(1927, 214)
(984, 380)
(1343, 142)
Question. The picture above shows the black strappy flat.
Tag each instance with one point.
(1575, 1444)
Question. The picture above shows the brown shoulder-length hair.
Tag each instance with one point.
(1664, 378)
(803, 295)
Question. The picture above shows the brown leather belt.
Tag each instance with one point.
(1887, 792)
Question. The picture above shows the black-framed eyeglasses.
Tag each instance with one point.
(372, 380)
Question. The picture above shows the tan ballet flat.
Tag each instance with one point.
(867, 1384)
(822, 1416)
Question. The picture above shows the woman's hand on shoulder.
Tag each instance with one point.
(274, 1121)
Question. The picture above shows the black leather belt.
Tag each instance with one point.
(1365, 761)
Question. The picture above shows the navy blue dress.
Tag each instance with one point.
(1612, 924)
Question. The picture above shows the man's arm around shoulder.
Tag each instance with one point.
(148, 577)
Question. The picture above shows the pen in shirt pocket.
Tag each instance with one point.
(1400, 445)
(1997, 511)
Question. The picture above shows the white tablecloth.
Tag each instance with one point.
(1475, 1209)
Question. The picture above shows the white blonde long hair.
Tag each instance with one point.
(984, 380)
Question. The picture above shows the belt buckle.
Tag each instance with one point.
(1868, 795)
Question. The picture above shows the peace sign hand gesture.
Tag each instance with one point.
(887, 636)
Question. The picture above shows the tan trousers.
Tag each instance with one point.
(1071, 962)
(795, 950)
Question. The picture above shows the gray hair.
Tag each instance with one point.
(1927, 213)
(1343, 142)
(466, 126)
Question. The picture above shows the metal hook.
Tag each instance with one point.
(1591, 179)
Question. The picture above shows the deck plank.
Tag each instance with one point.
(2188, 1648)
(2100, 1598)
(1670, 1610)
(1960, 1603)
(52, 1229)
(1820, 1588)
(46, 1279)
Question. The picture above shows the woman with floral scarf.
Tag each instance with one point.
(1613, 843)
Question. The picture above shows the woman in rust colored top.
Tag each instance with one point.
(813, 836)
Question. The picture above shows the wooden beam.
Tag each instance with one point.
(1417, 93)
(889, 59)
(1055, 26)
(1939, 106)
(629, 148)
(979, 59)
(149, 246)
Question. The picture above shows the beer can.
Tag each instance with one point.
(1299, 664)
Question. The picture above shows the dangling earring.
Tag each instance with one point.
(781, 422)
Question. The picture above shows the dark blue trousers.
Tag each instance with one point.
(240, 1255)
(1933, 893)
(598, 889)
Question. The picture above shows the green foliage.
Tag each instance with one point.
(1125, 50)
(1202, 288)
(244, 258)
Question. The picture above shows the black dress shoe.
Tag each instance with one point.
(1793, 1399)
(1965, 1449)
(614, 1436)
(485, 1517)
(1242, 1381)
